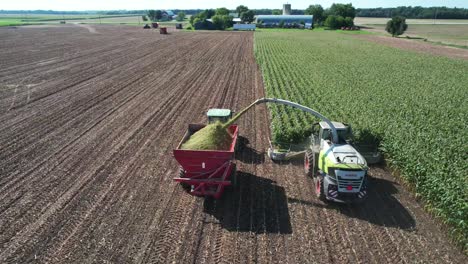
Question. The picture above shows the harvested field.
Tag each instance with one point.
(418, 46)
(450, 32)
(88, 123)
(410, 21)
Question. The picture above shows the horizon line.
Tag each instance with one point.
(102, 10)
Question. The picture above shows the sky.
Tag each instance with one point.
(79, 5)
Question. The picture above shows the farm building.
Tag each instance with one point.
(244, 27)
(167, 15)
(206, 24)
(274, 20)
(286, 9)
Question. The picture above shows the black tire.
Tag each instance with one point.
(309, 163)
(234, 180)
(184, 185)
(319, 190)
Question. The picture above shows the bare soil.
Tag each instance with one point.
(418, 46)
(87, 127)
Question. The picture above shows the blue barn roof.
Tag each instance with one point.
(169, 12)
(270, 19)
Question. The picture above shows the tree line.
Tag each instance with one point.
(415, 12)
(337, 16)
(53, 12)
(405, 11)
(158, 15)
(221, 18)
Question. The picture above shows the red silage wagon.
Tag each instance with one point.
(207, 172)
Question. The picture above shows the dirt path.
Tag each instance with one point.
(87, 126)
(418, 46)
(90, 28)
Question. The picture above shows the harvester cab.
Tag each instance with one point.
(338, 169)
(221, 115)
(323, 131)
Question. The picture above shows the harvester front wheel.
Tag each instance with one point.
(319, 191)
(309, 163)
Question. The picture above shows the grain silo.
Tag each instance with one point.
(286, 9)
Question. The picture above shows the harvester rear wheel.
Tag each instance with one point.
(309, 163)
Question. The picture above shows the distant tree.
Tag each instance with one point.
(195, 20)
(344, 10)
(180, 16)
(317, 11)
(209, 13)
(396, 26)
(157, 15)
(415, 12)
(228, 21)
(333, 22)
(200, 17)
(276, 12)
(247, 16)
(151, 14)
(218, 22)
(191, 19)
(340, 22)
(222, 11)
(348, 22)
(263, 11)
(222, 22)
(241, 9)
(144, 18)
(336, 22)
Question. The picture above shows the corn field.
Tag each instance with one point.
(415, 105)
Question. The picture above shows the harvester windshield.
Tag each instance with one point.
(343, 135)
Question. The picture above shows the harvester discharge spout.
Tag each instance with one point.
(303, 108)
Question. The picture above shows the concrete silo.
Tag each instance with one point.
(286, 9)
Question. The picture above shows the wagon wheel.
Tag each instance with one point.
(234, 180)
(319, 191)
(184, 185)
(309, 163)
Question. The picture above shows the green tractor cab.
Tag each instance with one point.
(221, 115)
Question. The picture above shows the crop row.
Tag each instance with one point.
(417, 105)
